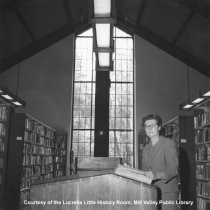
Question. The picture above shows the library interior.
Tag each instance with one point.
(105, 104)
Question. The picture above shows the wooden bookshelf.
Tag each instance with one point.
(5, 113)
(30, 157)
(202, 154)
(60, 142)
(181, 130)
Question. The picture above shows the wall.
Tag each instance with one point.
(161, 82)
(46, 83)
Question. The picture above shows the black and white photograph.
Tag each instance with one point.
(104, 104)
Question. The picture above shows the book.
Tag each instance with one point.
(137, 175)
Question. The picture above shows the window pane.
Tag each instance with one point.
(121, 99)
(81, 136)
(84, 95)
(129, 111)
(75, 148)
(75, 136)
(89, 33)
(118, 75)
(112, 111)
(92, 150)
(81, 149)
(87, 149)
(120, 33)
(111, 123)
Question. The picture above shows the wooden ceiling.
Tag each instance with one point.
(179, 27)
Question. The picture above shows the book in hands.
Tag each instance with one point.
(137, 175)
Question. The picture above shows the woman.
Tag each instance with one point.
(160, 162)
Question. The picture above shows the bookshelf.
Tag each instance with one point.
(60, 144)
(30, 157)
(202, 154)
(181, 130)
(5, 112)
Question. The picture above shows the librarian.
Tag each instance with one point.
(160, 162)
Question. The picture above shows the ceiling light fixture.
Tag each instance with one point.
(9, 97)
(186, 105)
(207, 94)
(197, 100)
(103, 23)
(201, 98)
(102, 8)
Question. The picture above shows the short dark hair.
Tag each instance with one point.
(152, 117)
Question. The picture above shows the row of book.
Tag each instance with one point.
(203, 188)
(203, 152)
(36, 170)
(2, 134)
(1, 162)
(2, 145)
(60, 144)
(202, 119)
(36, 127)
(203, 171)
(59, 166)
(174, 136)
(30, 160)
(59, 159)
(49, 151)
(2, 129)
(202, 135)
(34, 149)
(1, 166)
(203, 204)
(170, 128)
(60, 155)
(43, 157)
(37, 150)
(59, 173)
(60, 152)
(26, 183)
(36, 139)
(3, 113)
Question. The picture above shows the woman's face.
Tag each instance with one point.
(151, 128)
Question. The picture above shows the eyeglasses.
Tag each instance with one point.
(152, 126)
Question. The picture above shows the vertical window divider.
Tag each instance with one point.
(122, 125)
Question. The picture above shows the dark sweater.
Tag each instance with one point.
(162, 160)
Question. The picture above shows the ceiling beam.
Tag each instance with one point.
(140, 12)
(201, 7)
(184, 26)
(23, 22)
(39, 45)
(167, 46)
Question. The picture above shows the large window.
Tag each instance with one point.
(84, 96)
(121, 121)
(121, 106)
